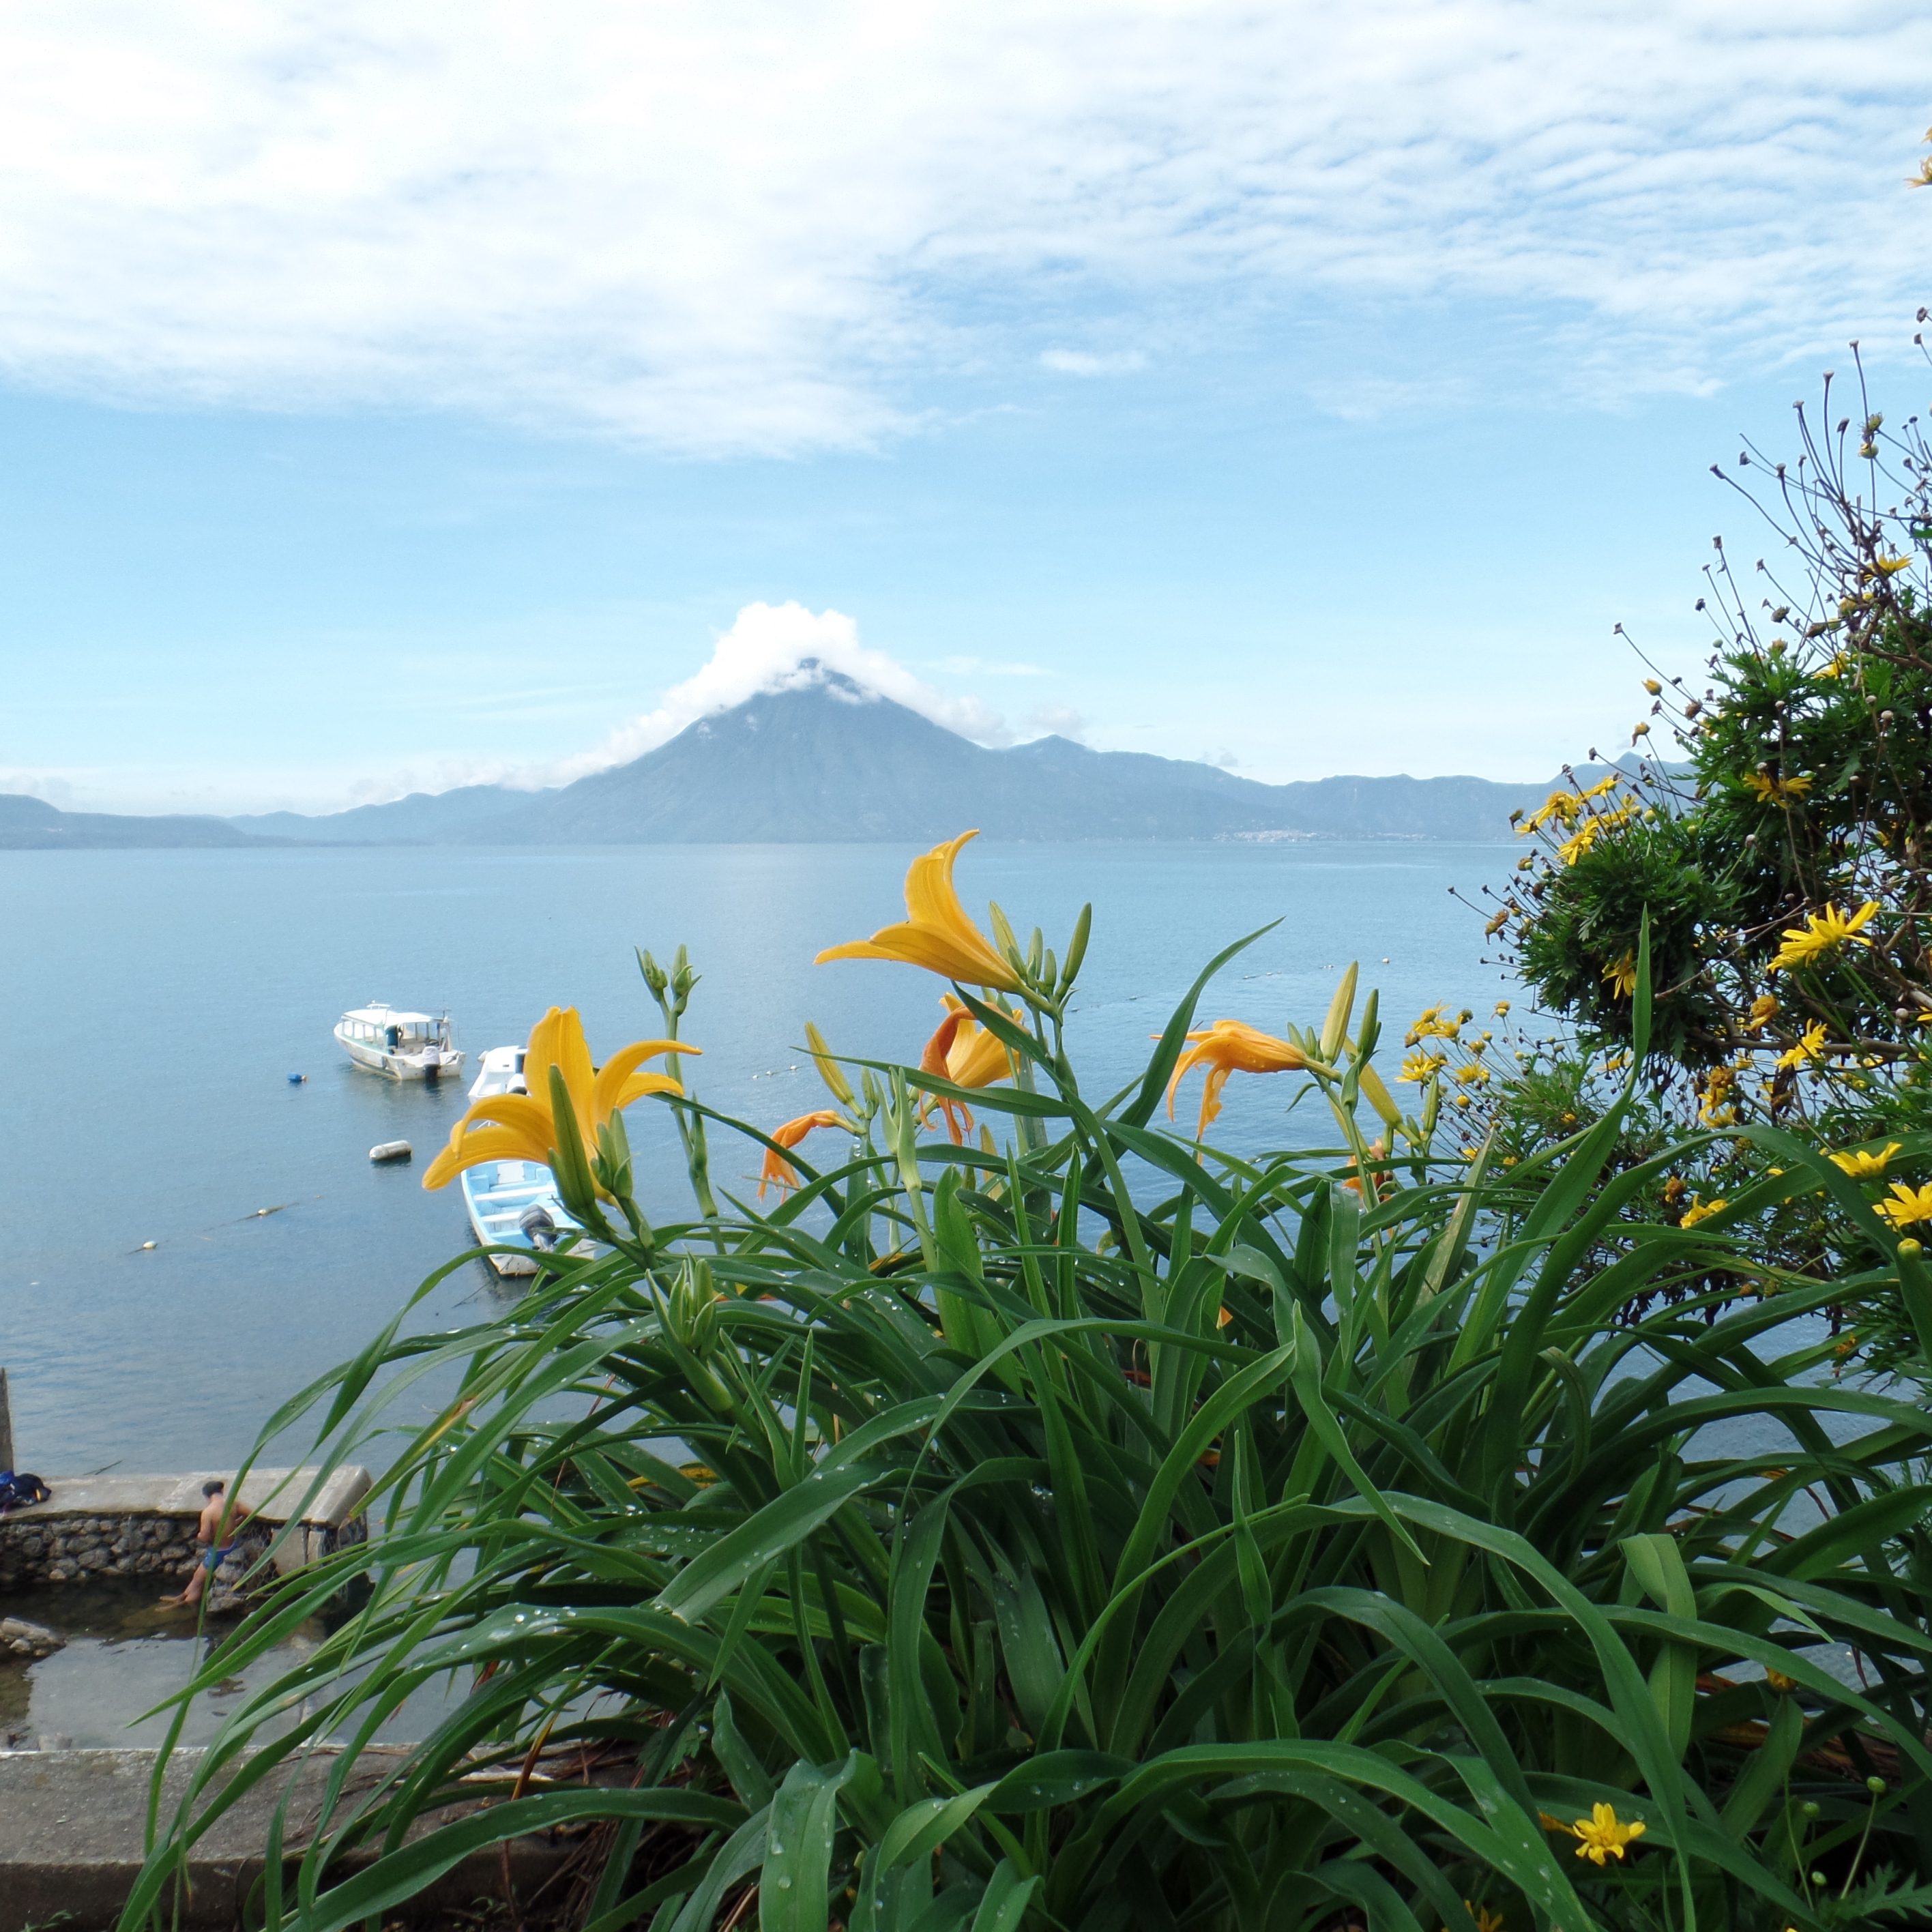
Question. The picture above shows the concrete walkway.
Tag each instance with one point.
(72, 1823)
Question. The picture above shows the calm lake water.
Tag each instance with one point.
(158, 1001)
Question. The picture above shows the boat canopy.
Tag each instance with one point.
(379, 1015)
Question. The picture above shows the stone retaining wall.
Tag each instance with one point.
(66, 1550)
(144, 1525)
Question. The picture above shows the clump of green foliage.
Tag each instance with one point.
(1086, 1529)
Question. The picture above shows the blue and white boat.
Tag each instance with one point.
(512, 1204)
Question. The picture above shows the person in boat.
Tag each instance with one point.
(219, 1517)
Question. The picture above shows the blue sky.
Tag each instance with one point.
(397, 400)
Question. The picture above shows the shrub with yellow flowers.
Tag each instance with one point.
(1782, 865)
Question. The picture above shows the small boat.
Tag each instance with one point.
(405, 1046)
(513, 1203)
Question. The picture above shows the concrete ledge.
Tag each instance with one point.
(72, 1824)
(144, 1525)
(338, 1501)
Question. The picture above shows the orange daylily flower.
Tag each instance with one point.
(1378, 1151)
(777, 1170)
(520, 1126)
(963, 1051)
(936, 933)
(1228, 1047)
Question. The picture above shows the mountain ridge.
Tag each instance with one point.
(831, 761)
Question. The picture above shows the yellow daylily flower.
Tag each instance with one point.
(778, 1171)
(1821, 932)
(1602, 1836)
(964, 1052)
(1229, 1047)
(1908, 1205)
(520, 1127)
(936, 933)
(1809, 1046)
(1621, 973)
(1863, 1163)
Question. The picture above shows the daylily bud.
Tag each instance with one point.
(682, 979)
(1076, 947)
(690, 1328)
(654, 977)
(829, 1069)
(1003, 938)
(568, 1162)
(611, 1165)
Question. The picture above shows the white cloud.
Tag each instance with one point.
(1059, 721)
(758, 228)
(779, 647)
(53, 787)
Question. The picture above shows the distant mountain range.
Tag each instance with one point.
(31, 823)
(835, 763)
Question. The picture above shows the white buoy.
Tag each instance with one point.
(391, 1150)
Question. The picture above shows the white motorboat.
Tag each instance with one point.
(404, 1046)
(513, 1203)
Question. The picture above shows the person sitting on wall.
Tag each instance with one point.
(218, 1517)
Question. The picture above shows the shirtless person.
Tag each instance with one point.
(212, 1554)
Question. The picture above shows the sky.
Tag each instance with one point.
(399, 396)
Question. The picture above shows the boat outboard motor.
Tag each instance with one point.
(538, 1229)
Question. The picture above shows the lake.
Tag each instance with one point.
(157, 1003)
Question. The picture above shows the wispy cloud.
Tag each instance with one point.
(1088, 362)
(759, 228)
(972, 667)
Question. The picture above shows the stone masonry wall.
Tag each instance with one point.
(65, 1548)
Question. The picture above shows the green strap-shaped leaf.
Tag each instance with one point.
(402, 1874)
(1306, 1378)
(1005, 1901)
(783, 1523)
(798, 1848)
(1657, 1565)
(922, 1828)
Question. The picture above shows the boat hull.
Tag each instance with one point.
(400, 1066)
(496, 1194)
